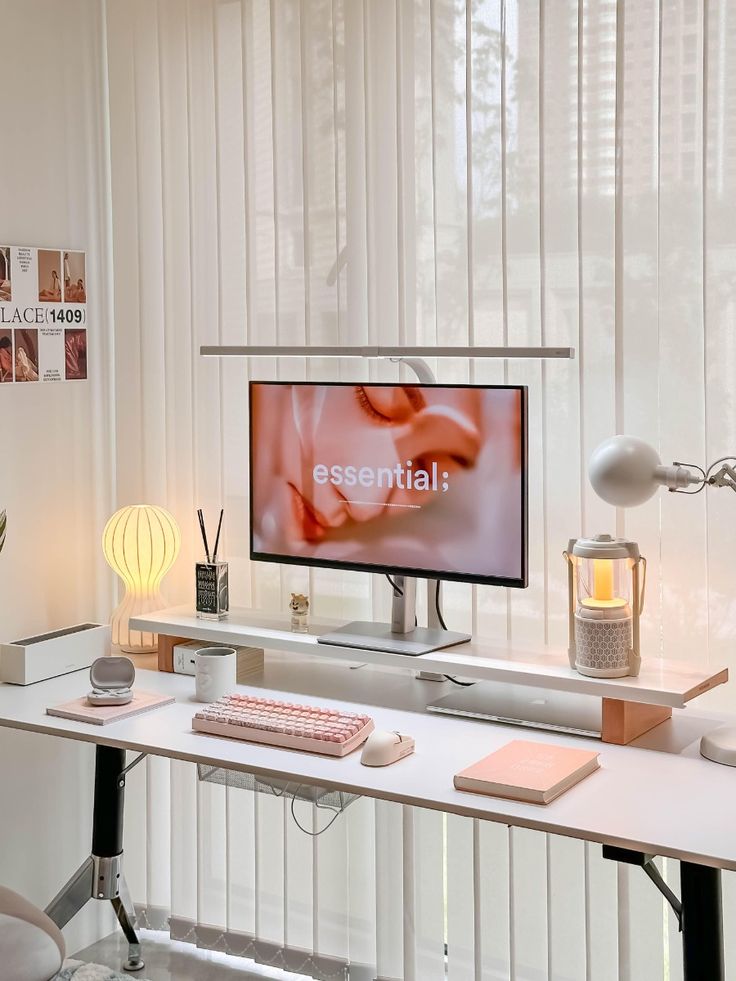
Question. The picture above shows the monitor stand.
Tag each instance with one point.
(370, 636)
(401, 636)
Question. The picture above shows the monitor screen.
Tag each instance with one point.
(417, 480)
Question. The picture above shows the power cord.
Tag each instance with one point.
(437, 605)
(460, 684)
(398, 591)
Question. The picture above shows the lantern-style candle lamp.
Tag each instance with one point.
(606, 578)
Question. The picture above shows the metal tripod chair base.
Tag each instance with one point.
(100, 876)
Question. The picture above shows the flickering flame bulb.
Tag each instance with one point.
(603, 579)
(603, 597)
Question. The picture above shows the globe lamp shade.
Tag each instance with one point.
(140, 543)
(625, 471)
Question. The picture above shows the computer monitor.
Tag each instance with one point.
(422, 481)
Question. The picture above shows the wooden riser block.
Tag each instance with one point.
(250, 663)
(166, 647)
(626, 721)
(250, 659)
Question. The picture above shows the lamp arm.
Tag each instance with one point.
(421, 369)
(679, 476)
(726, 476)
(425, 376)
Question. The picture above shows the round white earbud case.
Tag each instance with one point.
(112, 681)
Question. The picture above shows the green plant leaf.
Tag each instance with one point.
(3, 525)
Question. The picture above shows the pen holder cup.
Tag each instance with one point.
(213, 599)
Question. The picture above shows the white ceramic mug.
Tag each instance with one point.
(215, 670)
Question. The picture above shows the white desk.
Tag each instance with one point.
(656, 796)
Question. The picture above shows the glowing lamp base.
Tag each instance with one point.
(135, 641)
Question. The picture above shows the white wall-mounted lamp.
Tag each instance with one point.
(626, 471)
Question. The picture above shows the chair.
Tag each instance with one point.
(31, 945)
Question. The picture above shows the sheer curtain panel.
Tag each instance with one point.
(426, 171)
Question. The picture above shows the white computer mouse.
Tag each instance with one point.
(383, 748)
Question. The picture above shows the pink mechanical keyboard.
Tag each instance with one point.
(285, 724)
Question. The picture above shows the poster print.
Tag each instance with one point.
(5, 284)
(43, 315)
(6, 356)
(75, 354)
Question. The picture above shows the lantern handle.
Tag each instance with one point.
(571, 654)
(638, 603)
(643, 584)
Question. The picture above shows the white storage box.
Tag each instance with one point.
(23, 662)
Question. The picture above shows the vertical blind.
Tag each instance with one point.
(428, 171)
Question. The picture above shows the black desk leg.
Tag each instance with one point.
(699, 911)
(702, 923)
(100, 876)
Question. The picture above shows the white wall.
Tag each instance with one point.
(56, 467)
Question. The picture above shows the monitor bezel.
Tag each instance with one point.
(397, 570)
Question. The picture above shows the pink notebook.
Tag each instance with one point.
(99, 715)
(533, 772)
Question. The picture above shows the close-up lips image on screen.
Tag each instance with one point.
(423, 478)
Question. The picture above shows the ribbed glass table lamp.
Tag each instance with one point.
(141, 543)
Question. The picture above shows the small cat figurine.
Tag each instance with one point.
(299, 608)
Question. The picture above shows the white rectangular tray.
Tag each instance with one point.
(32, 659)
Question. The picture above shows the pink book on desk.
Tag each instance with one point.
(536, 773)
(79, 710)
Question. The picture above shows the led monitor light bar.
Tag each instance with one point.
(316, 351)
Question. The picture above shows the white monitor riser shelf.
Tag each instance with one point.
(629, 706)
